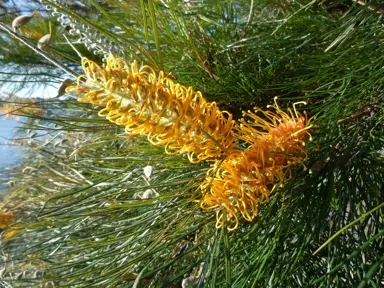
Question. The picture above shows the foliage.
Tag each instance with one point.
(85, 212)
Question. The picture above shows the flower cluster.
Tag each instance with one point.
(179, 118)
(169, 114)
(246, 179)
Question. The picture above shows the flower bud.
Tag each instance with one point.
(22, 20)
(44, 41)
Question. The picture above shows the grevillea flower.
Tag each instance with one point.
(168, 113)
(6, 219)
(179, 118)
(246, 179)
(6, 224)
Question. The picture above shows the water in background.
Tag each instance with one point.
(8, 154)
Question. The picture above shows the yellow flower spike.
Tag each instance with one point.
(169, 113)
(246, 179)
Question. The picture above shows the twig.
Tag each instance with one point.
(38, 51)
(366, 110)
(370, 7)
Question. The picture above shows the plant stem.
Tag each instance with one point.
(370, 7)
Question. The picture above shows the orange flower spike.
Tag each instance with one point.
(169, 113)
(6, 219)
(246, 179)
(6, 223)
